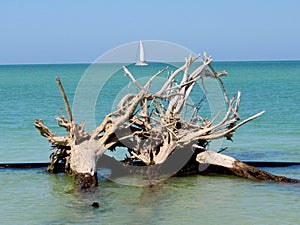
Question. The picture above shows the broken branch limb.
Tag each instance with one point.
(62, 91)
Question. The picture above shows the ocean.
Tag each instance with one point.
(31, 196)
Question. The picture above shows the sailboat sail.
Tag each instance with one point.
(141, 52)
(142, 61)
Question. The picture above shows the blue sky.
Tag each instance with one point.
(60, 31)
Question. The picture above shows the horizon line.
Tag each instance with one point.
(70, 63)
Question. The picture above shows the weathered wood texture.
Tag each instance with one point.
(238, 168)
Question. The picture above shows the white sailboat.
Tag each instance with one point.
(141, 61)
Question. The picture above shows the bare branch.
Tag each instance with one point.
(134, 81)
(62, 91)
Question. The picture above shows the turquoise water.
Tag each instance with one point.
(35, 197)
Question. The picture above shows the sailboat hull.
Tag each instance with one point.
(144, 63)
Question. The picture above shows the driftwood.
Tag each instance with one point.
(150, 126)
(238, 168)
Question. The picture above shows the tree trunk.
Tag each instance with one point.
(233, 166)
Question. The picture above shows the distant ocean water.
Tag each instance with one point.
(30, 91)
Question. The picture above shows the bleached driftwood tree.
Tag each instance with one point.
(150, 126)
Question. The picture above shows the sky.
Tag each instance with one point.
(74, 31)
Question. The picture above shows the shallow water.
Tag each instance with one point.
(35, 197)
